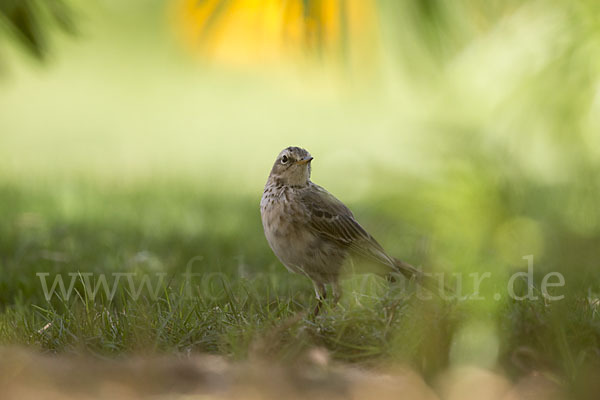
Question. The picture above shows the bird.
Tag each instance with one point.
(313, 233)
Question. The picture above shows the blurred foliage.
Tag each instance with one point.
(31, 21)
(253, 32)
(463, 134)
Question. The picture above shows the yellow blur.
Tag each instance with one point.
(246, 32)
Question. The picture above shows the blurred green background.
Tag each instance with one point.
(464, 135)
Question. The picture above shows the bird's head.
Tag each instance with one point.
(292, 167)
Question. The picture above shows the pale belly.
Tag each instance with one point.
(287, 240)
(296, 246)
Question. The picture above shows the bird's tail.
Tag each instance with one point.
(428, 281)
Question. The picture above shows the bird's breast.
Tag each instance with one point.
(285, 228)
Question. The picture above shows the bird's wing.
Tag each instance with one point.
(331, 219)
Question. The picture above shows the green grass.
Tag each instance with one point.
(245, 304)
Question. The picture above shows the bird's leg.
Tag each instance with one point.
(321, 294)
(337, 292)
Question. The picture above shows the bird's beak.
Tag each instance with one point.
(304, 160)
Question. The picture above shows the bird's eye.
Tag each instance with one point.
(284, 159)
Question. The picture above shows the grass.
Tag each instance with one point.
(244, 304)
(251, 296)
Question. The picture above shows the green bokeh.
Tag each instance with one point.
(476, 143)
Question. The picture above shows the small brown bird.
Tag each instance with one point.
(312, 232)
